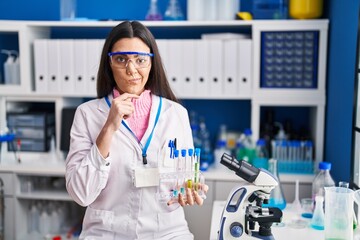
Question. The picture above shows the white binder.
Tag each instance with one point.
(53, 66)
(162, 47)
(67, 81)
(41, 65)
(202, 67)
(189, 65)
(93, 59)
(175, 66)
(231, 82)
(80, 62)
(245, 67)
(215, 49)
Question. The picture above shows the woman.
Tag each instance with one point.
(119, 144)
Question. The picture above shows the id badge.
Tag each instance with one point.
(146, 177)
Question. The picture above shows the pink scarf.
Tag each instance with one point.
(139, 120)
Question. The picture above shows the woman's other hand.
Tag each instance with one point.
(191, 196)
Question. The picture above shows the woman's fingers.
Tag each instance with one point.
(199, 201)
(189, 196)
(181, 200)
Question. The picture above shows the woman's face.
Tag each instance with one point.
(130, 78)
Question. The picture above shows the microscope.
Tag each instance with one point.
(244, 208)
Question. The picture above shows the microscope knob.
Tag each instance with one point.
(236, 229)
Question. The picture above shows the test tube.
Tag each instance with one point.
(191, 155)
(197, 167)
(176, 159)
(182, 162)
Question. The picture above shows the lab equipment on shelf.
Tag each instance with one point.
(293, 156)
(153, 13)
(174, 11)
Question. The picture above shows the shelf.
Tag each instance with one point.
(53, 195)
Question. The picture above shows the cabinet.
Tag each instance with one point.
(26, 32)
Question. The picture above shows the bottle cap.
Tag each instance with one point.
(197, 151)
(191, 152)
(260, 142)
(221, 143)
(247, 132)
(176, 153)
(324, 166)
(183, 152)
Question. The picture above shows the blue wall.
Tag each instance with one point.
(343, 17)
(92, 9)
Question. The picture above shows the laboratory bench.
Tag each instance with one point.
(19, 195)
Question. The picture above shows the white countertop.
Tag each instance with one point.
(47, 163)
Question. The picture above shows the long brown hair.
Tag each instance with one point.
(157, 82)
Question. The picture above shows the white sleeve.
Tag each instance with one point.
(86, 170)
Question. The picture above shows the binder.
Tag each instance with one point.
(41, 65)
(245, 67)
(175, 66)
(202, 68)
(92, 66)
(80, 62)
(162, 47)
(231, 81)
(215, 48)
(67, 81)
(188, 64)
(53, 66)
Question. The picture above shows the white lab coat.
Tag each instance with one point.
(116, 209)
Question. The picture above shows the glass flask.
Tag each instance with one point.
(277, 198)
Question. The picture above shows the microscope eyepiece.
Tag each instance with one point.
(241, 168)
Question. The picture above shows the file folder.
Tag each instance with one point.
(92, 66)
(80, 62)
(245, 67)
(188, 64)
(202, 67)
(231, 81)
(215, 49)
(67, 81)
(41, 65)
(175, 66)
(162, 47)
(53, 66)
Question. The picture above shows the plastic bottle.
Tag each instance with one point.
(249, 146)
(15, 68)
(206, 148)
(8, 67)
(261, 154)
(219, 151)
(173, 11)
(33, 218)
(322, 179)
(153, 13)
(240, 149)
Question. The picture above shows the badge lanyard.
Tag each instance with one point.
(144, 149)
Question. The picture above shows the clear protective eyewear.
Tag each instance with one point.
(121, 59)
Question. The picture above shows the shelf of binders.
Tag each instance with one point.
(222, 60)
